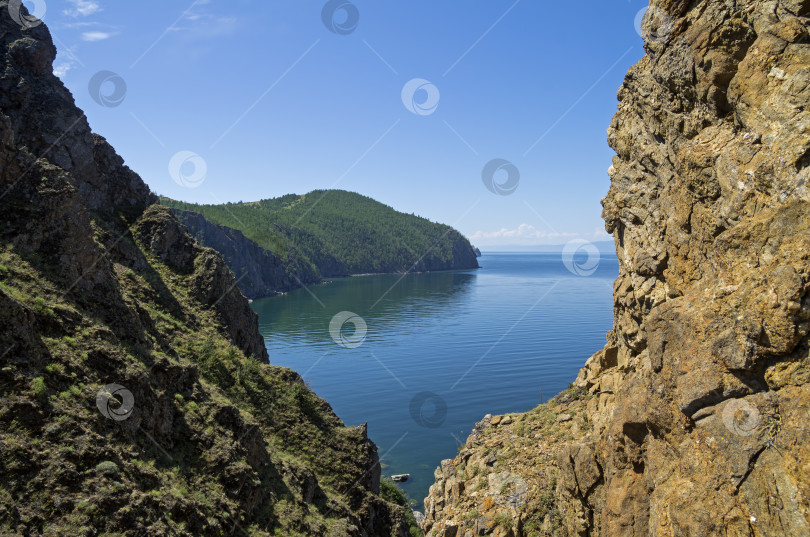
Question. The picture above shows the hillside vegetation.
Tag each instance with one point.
(135, 394)
(340, 233)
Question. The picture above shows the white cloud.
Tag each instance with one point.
(204, 26)
(66, 60)
(524, 234)
(201, 23)
(83, 8)
(62, 69)
(96, 36)
(79, 24)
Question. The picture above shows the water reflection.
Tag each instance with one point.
(441, 349)
(385, 302)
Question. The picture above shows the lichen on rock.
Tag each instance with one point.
(692, 419)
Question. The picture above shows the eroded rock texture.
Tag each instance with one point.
(102, 290)
(693, 419)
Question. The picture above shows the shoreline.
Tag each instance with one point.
(359, 275)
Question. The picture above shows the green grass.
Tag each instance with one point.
(471, 516)
(391, 492)
(55, 368)
(218, 420)
(503, 520)
(38, 387)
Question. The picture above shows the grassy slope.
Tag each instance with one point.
(100, 285)
(364, 234)
(217, 440)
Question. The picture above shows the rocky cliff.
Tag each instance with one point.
(693, 419)
(259, 272)
(135, 394)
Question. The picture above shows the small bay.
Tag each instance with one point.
(442, 349)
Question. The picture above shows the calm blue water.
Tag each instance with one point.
(442, 349)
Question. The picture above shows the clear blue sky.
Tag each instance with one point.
(273, 102)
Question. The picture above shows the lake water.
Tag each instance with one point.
(442, 349)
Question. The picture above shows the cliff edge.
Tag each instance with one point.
(135, 394)
(259, 272)
(693, 419)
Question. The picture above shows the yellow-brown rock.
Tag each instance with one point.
(692, 421)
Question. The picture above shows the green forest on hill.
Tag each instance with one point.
(341, 233)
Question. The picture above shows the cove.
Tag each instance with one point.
(442, 349)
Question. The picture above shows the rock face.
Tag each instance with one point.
(135, 394)
(692, 420)
(259, 272)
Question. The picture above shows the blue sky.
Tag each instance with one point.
(256, 99)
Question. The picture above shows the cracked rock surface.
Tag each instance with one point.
(693, 418)
(103, 291)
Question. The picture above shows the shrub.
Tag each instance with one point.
(55, 368)
(42, 307)
(503, 520)
(471, 516)
(390, 492)
(246, 371)
(305, 399)
(211, 365)
(108, 468)
(39, 387)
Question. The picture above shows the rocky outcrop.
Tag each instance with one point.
(212, 284)
(259, 272)
(692, 420)
(135, 393)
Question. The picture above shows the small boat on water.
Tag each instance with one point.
(399, 478)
